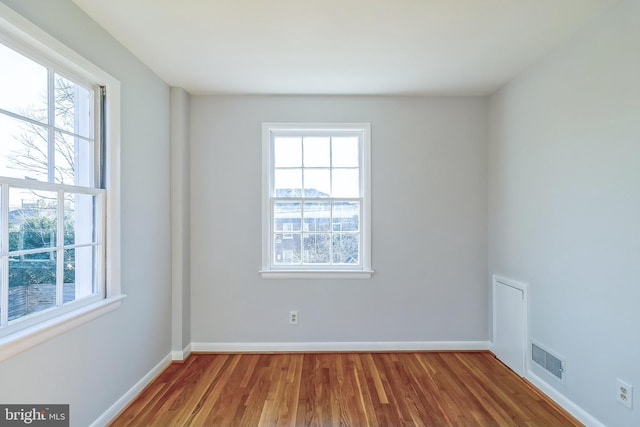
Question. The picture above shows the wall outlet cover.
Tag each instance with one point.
(624, 393)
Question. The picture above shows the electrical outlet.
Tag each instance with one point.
(624, 393)
(293, 317)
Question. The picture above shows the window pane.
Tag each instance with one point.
(317, 183)
(287, 216)
(32, 219)
(317, 152)
(74, 164)
(23, 149)
(346, 216)
(79, 218)
(346, 183)
(346, 248)
(79, 273)
(32, 285)
(344, 152)
(286, 251)
(64, 159)
(288, 182)
(23, 85)
(317, 216)
(84, 165)
(316, 248)
(287, 152)
(73, 107)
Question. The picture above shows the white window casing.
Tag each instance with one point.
(316, 200)
(96, 246)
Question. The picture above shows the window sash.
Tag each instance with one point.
(8, 326)
(303, 230)
(53, 129)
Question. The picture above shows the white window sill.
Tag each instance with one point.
(316, 274)
(25, 339)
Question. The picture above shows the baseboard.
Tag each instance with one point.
(278, 347)
(110, 414)
(181, 356)
(580, 414)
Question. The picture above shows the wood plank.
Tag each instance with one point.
(364, 394)
(342, 389)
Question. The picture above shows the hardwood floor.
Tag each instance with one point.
(336, 389)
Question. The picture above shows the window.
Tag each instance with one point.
(316, 203)
(58, 182)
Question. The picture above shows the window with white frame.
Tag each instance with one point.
(57, 183)
(316, 200)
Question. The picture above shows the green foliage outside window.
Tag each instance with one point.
(39, 232)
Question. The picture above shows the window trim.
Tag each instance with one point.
(364, 270)
(17, 31)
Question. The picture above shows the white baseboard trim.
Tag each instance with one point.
(110, 414)
(580, 414)
(278, 347)
(181, 356)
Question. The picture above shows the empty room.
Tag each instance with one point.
(322, 213)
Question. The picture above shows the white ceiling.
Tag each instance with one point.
(412, 47)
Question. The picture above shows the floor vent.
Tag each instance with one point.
(549, 362)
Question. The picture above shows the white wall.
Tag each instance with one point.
(180, 223)
(94, 365)
(429, 218)
(564, 203)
